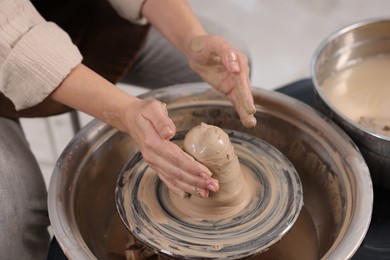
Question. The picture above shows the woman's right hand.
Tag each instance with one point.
(148, 123)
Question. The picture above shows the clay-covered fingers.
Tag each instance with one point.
(237, 84)
(160, 120)
(242, 100)
(181, 173)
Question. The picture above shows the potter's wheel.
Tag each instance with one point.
(143, 202)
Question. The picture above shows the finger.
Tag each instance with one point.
(229, 56)
(173, 188)
(231, 61)
(242, 99)
(248, 120)
(159, 119)
(245, 97)
(237, 63)
(214, 185)
(183, 189)
(223, 52)
(183, 169)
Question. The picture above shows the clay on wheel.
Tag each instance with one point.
(211, 146)
(259, 200)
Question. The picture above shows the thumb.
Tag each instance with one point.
(158, 116)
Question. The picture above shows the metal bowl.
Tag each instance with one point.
(348, 46)
(337, 189)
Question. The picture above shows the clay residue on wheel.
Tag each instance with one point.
(379, 125)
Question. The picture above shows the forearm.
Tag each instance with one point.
(175, 20)
(86, 91)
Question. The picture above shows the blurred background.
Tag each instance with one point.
(281, 35)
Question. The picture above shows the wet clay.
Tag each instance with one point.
(362, 92)
(211, 146)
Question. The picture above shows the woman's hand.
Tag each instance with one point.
(148, 123)
(226, 69)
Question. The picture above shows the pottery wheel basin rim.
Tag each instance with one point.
(267, 218)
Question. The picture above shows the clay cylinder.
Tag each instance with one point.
(211, 146)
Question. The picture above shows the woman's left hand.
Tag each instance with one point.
(226, 69)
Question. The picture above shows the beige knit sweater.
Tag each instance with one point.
(36, 55)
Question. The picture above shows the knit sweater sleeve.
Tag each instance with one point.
(35, 55)
(129, 10)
